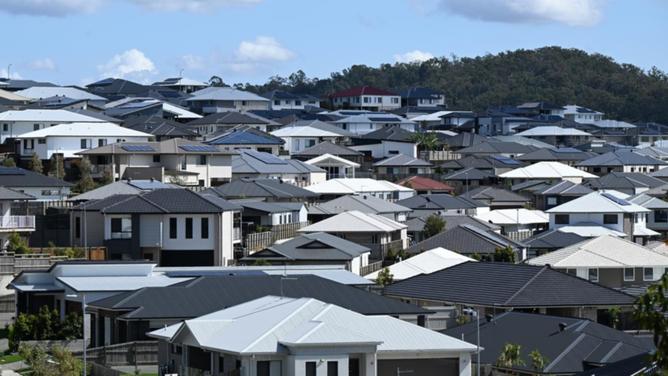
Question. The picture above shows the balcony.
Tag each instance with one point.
(17, 223)
(236, 234)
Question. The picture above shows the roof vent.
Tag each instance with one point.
(562, 326)
(489, 317)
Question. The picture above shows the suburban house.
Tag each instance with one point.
(160, 128)
(494, 288)
(550, 171)
(468, 178)
(604, 209)
(182, 84)
(361, 124)
(10, 222)
(386, 190)
(496, 198)
(423, 185)
(17, 123)
(518, 223)
(609, 261)
(550, 241)
(262, 214)
(570, 346)
(422, 97)
(621, 161)
(631, 183)
(210, 125)
(547, 195)
(366, 98)
(303, 134)
(72, 138)
(34, 184)
(402, 165)
(416, 225)
(373, 231)
(557, 136)
(251, 164)
(492, 164)
(282, 100)
(45, 92)
(426, 262)
(503, 148)
(315, 249)
(331, 148)
(569, 156)
(121, 187)
(245, 137)
(305, 336)
(581, 114)
(658, 218)
(450, 120)
(442, 203)
(130, 315)
(386, 142)
(130, 107)
(173, 227)
(336, 167)
(364, 202)
(176, 161)
(270, 190)
(221, 99)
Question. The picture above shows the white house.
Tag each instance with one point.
(336, 167)
(221, 99)
(282, 100)
(426, 262)
(304, 134)
(581, 114)
(17, 123)
(71, 138)
(10, 222)
(361, 124)
(366, 98)
(518, 223)
(378, 188)
(44, 92)
(551, 171)
(34, 184)
(273, 336)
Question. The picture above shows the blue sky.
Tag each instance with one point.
(80, 41)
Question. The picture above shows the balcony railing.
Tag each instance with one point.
(17, 222)
(236, 233)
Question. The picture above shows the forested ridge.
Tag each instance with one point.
(554, 74)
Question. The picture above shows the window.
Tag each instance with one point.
(121, 228)
(5, 127)
(35, 127)
(172, 228)
(661, 216)
(332, 368)
(28, 144)
(41, 141)
(551, 201)
(84, 143)
(243, 103)
(310, 368)
(263, 368)
(189, 228)
(593, 275)
(201, 160)
(156, 158)
(366, 100)
(648, 274)
(176, 349)
(636, 218)
(204, 228)
(184, 163)
(379, 100)
(610, 219)
(572, 271)
(298, 103)
(561, 219)
(629, 274)
(277, 102)
(77, 227)
(101, 142)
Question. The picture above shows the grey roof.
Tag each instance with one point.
(497, 147)
(561, 154)
(158, 126)
(316, 246)
(161, 201)
(393, 133)
(494, 195)
(625, 180)
(451, 221)
(483, 162)
(10, 194)
(507, 285)
(16, 177)
(327, 147)
(318, 124)
(553, 239)
(363, 203)
(244, 135)
(255, 162)
(661, 173)
(224, 94)
(647, 201)
(563, 188)
(402, 160)
(271, 207)
(208, 294)
(467, 174)
(229, 118)
(264, 188)
(439, 201)
(635, 365)
(466, 239)
(620, 158)
(464, 140)
(122, 187)
(97, 115)
(170, 146)
(579, 345)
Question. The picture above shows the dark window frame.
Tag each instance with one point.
(173, 228)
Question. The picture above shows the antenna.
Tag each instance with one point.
(285, 277)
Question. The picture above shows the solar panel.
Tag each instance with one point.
(566, 150)
(199, 148)
(265, 157)
(505, 160)
(137, 148)
(615, 199)
(386, 119)
(11, 171)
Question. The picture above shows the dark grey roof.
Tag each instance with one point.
(229, 117)
(363, 203)
(467, 174)
(497, 147)
(553, 239)
(451, 221)
(317, 246)
(402, 160)
(482, 162)
(620, 158)
(561, 154)
(16, 177)
(327, 147)
(563, 188)
(97, 115)
(466, 239)
(271, 207)
(264, 188)
(393, 133)
(208, 294)
(464, 140)
(255, 162)
(580, 345)
(492, 195)
(625, 180)
(10, 194)
(158, 126)
(163, 201)
(281, 94)
(507, 285)
(420, 93)
(641, 364)
(244, 135)
(439, 201)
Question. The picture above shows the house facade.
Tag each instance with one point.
(366, 98)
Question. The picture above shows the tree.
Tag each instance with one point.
(57, 167)
(538, 360)
(652, 314)
(45, 325)
(9, 162)
(17, 244)
(385, 277)
(107, 176)
(510, 356)
(433, 225)
(425, 140)
(505, 254)
(85, 182)
(36, 163)
(61, 363)
(216, 81)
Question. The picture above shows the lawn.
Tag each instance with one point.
(10, 358)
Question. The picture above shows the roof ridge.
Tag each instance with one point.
(559, 357)
(521, 289)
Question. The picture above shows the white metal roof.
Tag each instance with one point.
(262, 325)
(605, 251)
(180, 112)
(436, 116)
(546, 170)
(514, 216)
(85, 130)
(41, 92)
(331, 160)
(552, 130)
(355, 221)
(356, 185)
(591, 230)
(599, 202)
(304, 131)
(423, 263)
(118, 283)
(52, 116)
(224, 94)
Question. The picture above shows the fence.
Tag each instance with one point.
(17, 222)
(379, 251)
(372, 267)
(260, 240)
(11, 264)
(124, 354)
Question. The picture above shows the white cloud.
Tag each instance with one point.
(190, 5)
(130, 62)
(13, 74)
(569, 12)
(193, 62)
(263, 49)
(413, 56)
(43, 64)
(51, 8)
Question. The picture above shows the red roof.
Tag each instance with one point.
(420, 183)
(361, 90)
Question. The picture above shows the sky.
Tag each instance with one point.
(77, 42)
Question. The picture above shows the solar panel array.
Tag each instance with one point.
(11, 171)
(505, 160)
(566, 150)
(615, 199)
(265, 157)
(385, 119)
(199, 148)
(147, 148)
